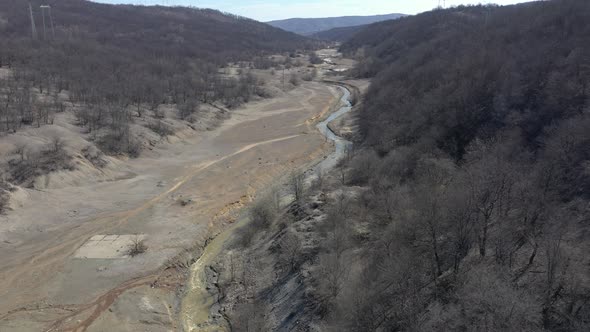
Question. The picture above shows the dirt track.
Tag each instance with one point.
(43, 287)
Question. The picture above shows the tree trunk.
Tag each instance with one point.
(483, 239)
(435, 252)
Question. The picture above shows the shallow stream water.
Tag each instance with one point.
(198, 301)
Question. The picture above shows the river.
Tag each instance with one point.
(198, 301)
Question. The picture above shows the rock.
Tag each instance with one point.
(186, 201)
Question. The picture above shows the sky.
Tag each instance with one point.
(266, 10)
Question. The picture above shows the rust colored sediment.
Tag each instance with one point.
(98, 306)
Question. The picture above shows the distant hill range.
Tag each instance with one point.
(339, 34)
(310, 26)
(128, 31)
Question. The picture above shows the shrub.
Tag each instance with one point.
(262, 214)
(295, 80)
(137, 246)
(160, 128)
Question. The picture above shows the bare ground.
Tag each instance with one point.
(44, 287)
(265, 295)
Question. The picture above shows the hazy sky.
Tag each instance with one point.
(265, 10)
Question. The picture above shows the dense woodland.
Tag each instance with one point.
(465, 205)
(338, 34)
(476, 164)
(115, 61)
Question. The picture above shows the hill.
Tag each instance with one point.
(475, 135)
(153, 30)
(115, 70)
(464, 207)
(130, 54)
(338, 34)
(439, 53)
(308, 26)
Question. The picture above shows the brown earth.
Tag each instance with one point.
(177, 196)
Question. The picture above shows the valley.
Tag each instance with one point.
(168, 168)
(218, 171)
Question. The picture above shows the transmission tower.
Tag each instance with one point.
(33, 28)
(48, 9)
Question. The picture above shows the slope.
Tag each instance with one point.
(157, 30)
(465, 206)
(119, 78)
(100, 59)
(338, 34)
(476, 172)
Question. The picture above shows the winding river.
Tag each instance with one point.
(341, 145)
(198, 301)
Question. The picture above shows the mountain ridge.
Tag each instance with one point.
(339, 34)
(199, 32)
(309, 26)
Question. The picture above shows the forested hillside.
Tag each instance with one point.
(155, 30)
(465, 206)
(129, 54)
(338, 34)
(112, 66)
(475, 173)
(131, 51)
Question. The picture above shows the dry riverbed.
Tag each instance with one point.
(62, 260)
(200, 310)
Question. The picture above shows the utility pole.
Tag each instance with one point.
(52, 26)
(48, 8)
(33, 28)
(44, 28)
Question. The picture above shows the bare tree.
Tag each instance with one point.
(319, 179)
(275, 198)
(489, 180)
(21, 149)
(188, 108)
(137, 246)
(290, 251)
(263, 213)
(58, 105)
(460, 222)
(57, 144)
(332, 274)
(295, 80)
(297, 183)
